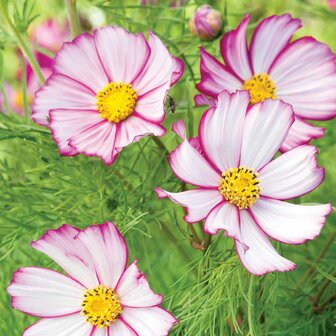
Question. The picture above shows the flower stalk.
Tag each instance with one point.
(71, 6)
(22, 43)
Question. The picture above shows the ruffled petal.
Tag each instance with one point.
(45, 293)
(301, 133)
(122, 54)
(134, 128)
(221, 129)
(69, 253)
(120, 328)
(191, 167)
(179, 129)
(79, 60)
(233, 47)
(293, 174)
(151, 321)
(151, 106)
(305, 76)
(66, 123)
(201, 100)
(97, 140)
(108, 250)
(224, 216)
(215, 77)
(160, 69)
(178, 70)
(290, 223)
(255, 250)
(72, 325)
(198, 202)
(134, 291)
(266, 126)
(270, 37)
(61, 92)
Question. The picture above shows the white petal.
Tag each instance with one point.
(45, 293)
(66, 123)
(269, 39)
(234, 50)
(290, 223)
(61, 92)
(72, 325)
(120, 328)
(305, 76)
(216, 77)
(221, 129)
(198, 202)
(159, 70)
(70, 253)
(266, 126)
(134, 128)
(293, 174)
(134, 291)
(260, 257)
(122, 54)
(224, 216)
(152, 321)
(108, 250)
(98, 140)
(79, 60)
(191, 167)
(301, 133)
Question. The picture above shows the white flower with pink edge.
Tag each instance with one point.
(240, 189)
(107, 90)
(301, 73)
(102, 296)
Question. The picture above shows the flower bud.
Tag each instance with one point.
(206, 23)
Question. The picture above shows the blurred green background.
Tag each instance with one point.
(209, 292)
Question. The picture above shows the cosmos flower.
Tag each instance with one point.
(301, 73)
(49, 34)
(240, 189)
(101, 294)
(14, 92)
(206, 23)
(106, 91)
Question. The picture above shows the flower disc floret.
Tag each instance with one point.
(260, 87)
(101, 306)
(116, 101)
(239, 186)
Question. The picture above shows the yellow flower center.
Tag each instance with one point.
(116, 101)
(19, 101)
(101, 306)
(239, 186)
(261, 87)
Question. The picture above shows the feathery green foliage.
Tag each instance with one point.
(207, 289)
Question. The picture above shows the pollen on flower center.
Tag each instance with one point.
(101, 306)
(239, 186)
(261, 87)
(116, 101)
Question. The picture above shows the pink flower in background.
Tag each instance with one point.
(206, 23)
(240, 189)
(301, 73)
(15, 93)
(332, 4)
(50, 35)
(101, 295)
(107, 90)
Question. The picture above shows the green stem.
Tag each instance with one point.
(22, 43)
(73, 17)
(161, 146)
(24, 88)
(311, 269)
(251, 306)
